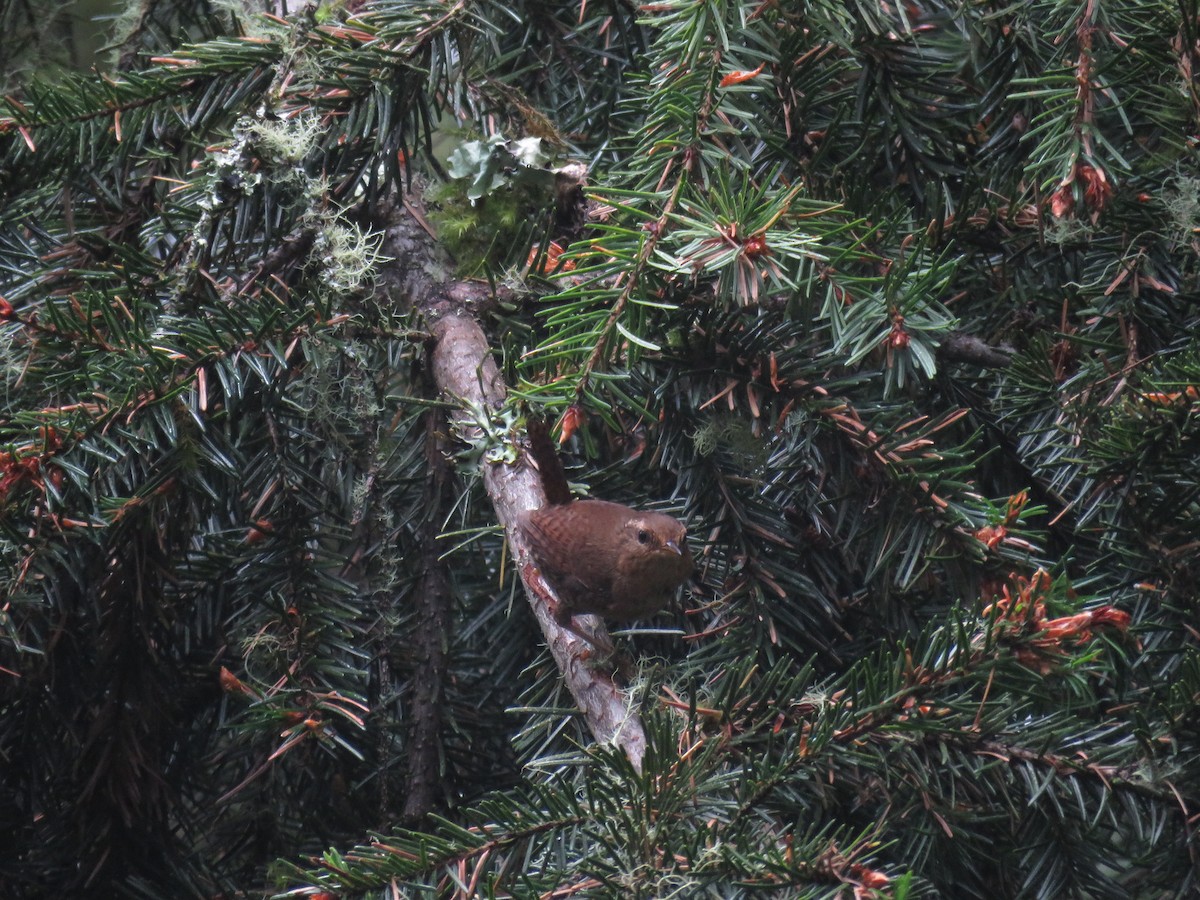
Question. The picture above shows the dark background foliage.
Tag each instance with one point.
(895, 304)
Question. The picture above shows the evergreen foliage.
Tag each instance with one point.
(897, 305)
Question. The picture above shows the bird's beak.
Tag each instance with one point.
(672, 545)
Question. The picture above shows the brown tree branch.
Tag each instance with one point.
(959, 346)
(429, 648)
(464, 372)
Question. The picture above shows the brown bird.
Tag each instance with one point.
(607, 559)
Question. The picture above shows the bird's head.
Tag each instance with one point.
(656, 545)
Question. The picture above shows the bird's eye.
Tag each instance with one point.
(643, 536)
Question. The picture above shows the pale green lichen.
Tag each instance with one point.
(732, 437)
(287, 141)
(1182, 200)
(348, 254)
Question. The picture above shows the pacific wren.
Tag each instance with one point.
(607, 559)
